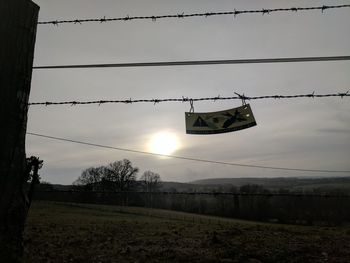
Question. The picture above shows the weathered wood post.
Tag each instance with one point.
(18, 23)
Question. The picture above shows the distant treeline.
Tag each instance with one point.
(116, 184)
(251, 202)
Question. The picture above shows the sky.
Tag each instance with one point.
(301, 133)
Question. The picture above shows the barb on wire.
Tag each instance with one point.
(311, 95)
(217, 98)
(243, 98)
(344, 94)
(183, 15)
(184, 99)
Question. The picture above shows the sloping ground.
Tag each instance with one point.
(62, 232)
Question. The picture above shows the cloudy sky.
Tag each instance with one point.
(301, 133)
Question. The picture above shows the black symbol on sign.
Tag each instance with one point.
(237, 117)
(200, 123)
(215, 120)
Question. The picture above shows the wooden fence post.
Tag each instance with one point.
(18, 23)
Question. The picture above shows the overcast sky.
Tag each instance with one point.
(301, 133)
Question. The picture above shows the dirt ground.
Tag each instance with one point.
(64, 232)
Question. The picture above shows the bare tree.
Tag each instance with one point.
(151, 181)
(121, 175)
(118, 176)
(91, 178)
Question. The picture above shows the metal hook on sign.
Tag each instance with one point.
(192, 107)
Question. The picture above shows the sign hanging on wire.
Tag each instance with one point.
(219, 122)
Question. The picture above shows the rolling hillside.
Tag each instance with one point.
(68, 232)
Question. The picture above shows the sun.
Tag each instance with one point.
(164, 143)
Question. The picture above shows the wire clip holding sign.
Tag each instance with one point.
(192, 107)
(243, 98)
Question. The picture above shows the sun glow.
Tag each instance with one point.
(164, 143)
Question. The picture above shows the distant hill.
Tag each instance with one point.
(61, 187)
(179, 187)
(291, 183)
(326, 184)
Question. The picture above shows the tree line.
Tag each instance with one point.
(117, 184)
(118, 176)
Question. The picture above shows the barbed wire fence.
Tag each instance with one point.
(233, 13)
(242, 97)
(187, 99)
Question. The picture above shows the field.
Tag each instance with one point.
(68, 232)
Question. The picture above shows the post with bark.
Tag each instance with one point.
(18, 23)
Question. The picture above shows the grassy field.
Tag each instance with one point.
(67, 232)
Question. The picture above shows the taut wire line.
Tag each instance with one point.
(234, 13)
(188, 158)
(198, 62)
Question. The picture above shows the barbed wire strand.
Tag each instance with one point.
(198, 62)
(186, 99)
(187, 158)
(233, 13)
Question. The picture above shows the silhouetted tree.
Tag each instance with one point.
(120, 175)
(151, 181)
(117, 176)
(91, 178)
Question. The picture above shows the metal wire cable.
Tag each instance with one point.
(233, 13)
(186, 99)
(198, 62)
(188, 158)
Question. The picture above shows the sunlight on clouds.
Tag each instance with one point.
(163, 143)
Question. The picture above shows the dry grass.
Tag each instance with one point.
(63, 232)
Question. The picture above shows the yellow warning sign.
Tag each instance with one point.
(219, 122)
